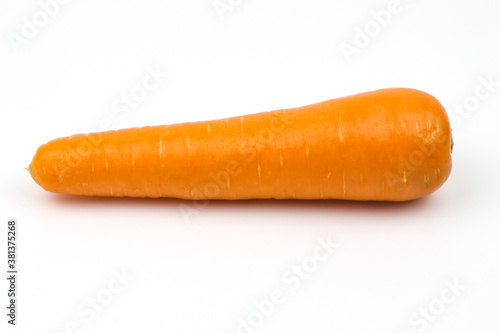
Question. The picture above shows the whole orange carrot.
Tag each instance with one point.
(391, 144)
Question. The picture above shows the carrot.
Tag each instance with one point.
(390, 144)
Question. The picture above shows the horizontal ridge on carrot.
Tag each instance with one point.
(386, 145)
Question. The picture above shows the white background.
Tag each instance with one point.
(202, 271)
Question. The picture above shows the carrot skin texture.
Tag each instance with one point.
(385, 145)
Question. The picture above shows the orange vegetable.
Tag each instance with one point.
(391, 144)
